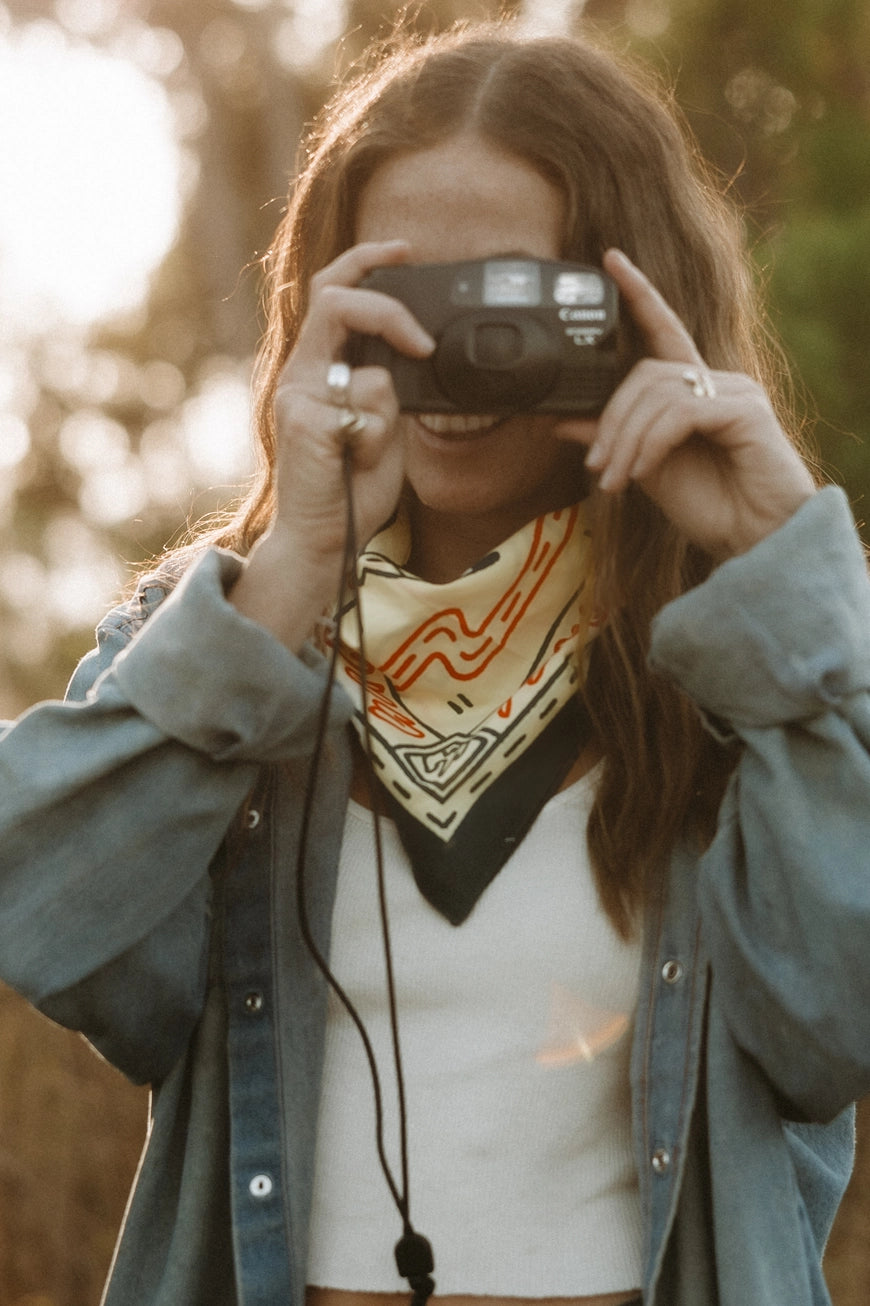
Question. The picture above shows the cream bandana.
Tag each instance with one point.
(472, 694)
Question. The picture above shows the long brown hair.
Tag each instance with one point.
(609, 137)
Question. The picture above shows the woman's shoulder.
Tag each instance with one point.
(151, 586)
(122, 622)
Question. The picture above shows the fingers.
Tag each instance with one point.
(362, 416)
(665, 335)
(352, 264)
(338, 311)
(338, 307)
(314, 418)
(664, 400)
(665, 415)
(658, 408)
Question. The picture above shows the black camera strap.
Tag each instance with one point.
(413, 1252)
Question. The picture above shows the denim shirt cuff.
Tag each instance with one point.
(208, 676)
(779, 633)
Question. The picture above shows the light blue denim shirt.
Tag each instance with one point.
(127, 913)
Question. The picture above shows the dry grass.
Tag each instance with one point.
(71, 1130)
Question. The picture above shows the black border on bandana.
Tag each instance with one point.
(452, 875)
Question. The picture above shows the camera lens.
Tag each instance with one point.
(497, 345)
(496, 361)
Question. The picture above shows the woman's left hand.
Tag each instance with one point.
(705, 446)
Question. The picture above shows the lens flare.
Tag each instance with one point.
(577, 1030)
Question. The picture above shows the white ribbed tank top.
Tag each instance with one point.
(515, 1032)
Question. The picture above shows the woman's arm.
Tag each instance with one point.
(308, 530)
(112, 809)
(775, 646)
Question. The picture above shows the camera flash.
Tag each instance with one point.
(578, 288)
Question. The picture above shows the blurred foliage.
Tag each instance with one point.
(778, 95)
(123, 419)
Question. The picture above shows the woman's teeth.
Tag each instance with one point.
(449, 424)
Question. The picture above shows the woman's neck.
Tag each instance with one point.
(444, 547)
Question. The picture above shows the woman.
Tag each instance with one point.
(630, 1068)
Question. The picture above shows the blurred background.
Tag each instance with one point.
(145, 150)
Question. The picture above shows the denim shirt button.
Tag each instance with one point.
(260, 1186)
(661, 1160)
(254, 1002)
(672, 972)
(252, 819)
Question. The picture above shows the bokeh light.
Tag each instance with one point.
(90, 179)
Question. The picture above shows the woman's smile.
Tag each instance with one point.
(456, 426)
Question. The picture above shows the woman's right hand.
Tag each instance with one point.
(293, 572)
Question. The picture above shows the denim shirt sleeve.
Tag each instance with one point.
(114, 803)
(775, 647)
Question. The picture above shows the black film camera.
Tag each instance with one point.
(514, 335)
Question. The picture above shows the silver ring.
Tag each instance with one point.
(351, 422)
(700, 383)
(338, 385)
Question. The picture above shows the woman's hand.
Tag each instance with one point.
(705, 446)
(293, 573)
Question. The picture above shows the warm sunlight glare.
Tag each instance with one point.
(577, 1030)
(89, 180)
(544, 17)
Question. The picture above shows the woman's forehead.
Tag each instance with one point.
(463, 198)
